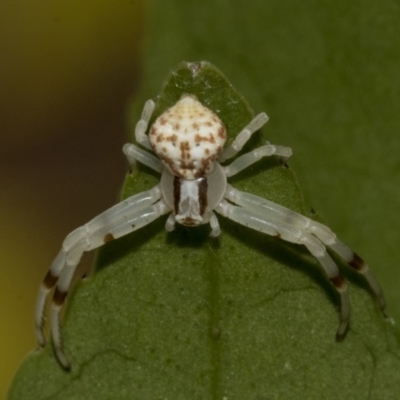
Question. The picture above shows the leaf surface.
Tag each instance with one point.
(245, 316)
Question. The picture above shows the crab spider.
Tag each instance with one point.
(188, 142)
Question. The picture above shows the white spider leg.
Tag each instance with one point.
(250, 158)
(214, 224)
(134, 153)
(115, 214)
(86, 240)
(292, 234)
(361, 267)
(254, 125)
(141, 126)
(170, 224)
(282, 214)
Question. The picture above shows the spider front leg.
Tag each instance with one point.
(134, 153)
(252, 157)
(214, 224)
(141, 126)
(125, 217)
(291, 233)
(282, 214)
(241, 139)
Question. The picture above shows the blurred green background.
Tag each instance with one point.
(67, 70)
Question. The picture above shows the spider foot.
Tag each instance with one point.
(62, 359)
(41, 339)
(342, 329)
(170, 224)
(215, 232)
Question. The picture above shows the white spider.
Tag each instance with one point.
(188, 140)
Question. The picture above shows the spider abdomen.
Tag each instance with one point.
(188, 138)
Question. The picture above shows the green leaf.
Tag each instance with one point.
(246, 316)
(327, 75)
(182, 315)
(156, 313)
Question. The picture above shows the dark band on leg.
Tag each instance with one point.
(50, 280)
(341, 286)
(59, 297)
(357, 262)
(108, 238)
(339, 282)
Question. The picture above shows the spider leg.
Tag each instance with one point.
(141, 126)
(361, 267)
(250, 158)
(123, 218)
(254, 125)
(170, 224)
(322, 232)
(134, 153)
(214, 224)
(279, 228)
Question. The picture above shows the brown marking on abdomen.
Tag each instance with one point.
(185, 150)
(187, 165)
(200, 138)
(159, 137)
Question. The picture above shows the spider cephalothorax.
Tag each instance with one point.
(188, 141)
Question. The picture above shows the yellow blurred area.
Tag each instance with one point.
(67, 69)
